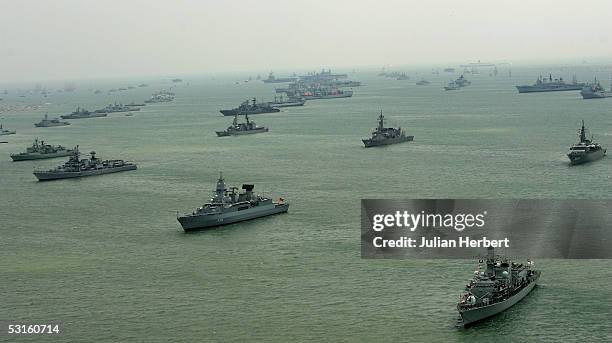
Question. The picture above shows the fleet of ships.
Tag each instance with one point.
(499, 286)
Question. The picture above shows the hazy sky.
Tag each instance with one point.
(67, 39)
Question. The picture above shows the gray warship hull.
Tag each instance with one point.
(328, 96)
(195, 222)
(5, 133)
(240, 133)
(281, 80)
(586, 157)
(471, 316)
(288, 104)
(233, 112)
(595, 95)
(56, 175)
(51, 124)
(372, 143)
(536, 89)
(76, 116)
(39, 156)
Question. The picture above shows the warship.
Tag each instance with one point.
(452, 86)
(77, 167)
(227, 207)
(324, 93)
(402, 76)
(345, 83)
(39, 150)
(162, 96)
(462, 81)
(386, 135)
(46, 122)
(550, 85)
(248, 108)
(273, 79)
(289, 102)
(237, 129)
(502, 284)
(133, 104)
(115, 108)
(585, 150)
(595, 91)
(81, 113)
(4, 132)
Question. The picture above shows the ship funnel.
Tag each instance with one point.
(490, 253)
(248, 190)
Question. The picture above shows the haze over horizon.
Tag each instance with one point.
(71, 39)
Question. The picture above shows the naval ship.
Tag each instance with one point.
(585, 150)
(81, 113)
(386, 135)
(595, 91)
(248, 108)
(289, 102)
(550, 85)
(237, 129)
(77, 167)
(133, 104)
(4, 132)
(161, 96)
(227, 207)
(115, 108)
(502, 284)
(452, 86)
(273, 79)
(46, 122)
(39, 150)
(462, 81)
(324, 93)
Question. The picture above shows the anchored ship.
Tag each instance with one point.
(46, 122)
(39, 150)
(4, 132)
(462, 81)
(77, 167)
(452, 86)
(324, 93)
(273, 79)
(289, 102)
(402, 76)
(227, 207)
(82, 113)
(550, 85)
(114, 108)
(502, 284)
(237, 129)
(133, 104)
(595, 91)
(585, 150)
(161, 96)
(386, 135)
(422, 82)
(251, 108)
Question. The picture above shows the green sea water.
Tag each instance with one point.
(106, 256)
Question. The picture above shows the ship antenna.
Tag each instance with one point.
(582, 133)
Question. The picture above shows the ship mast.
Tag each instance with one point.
(583, 138)
(381, 121)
